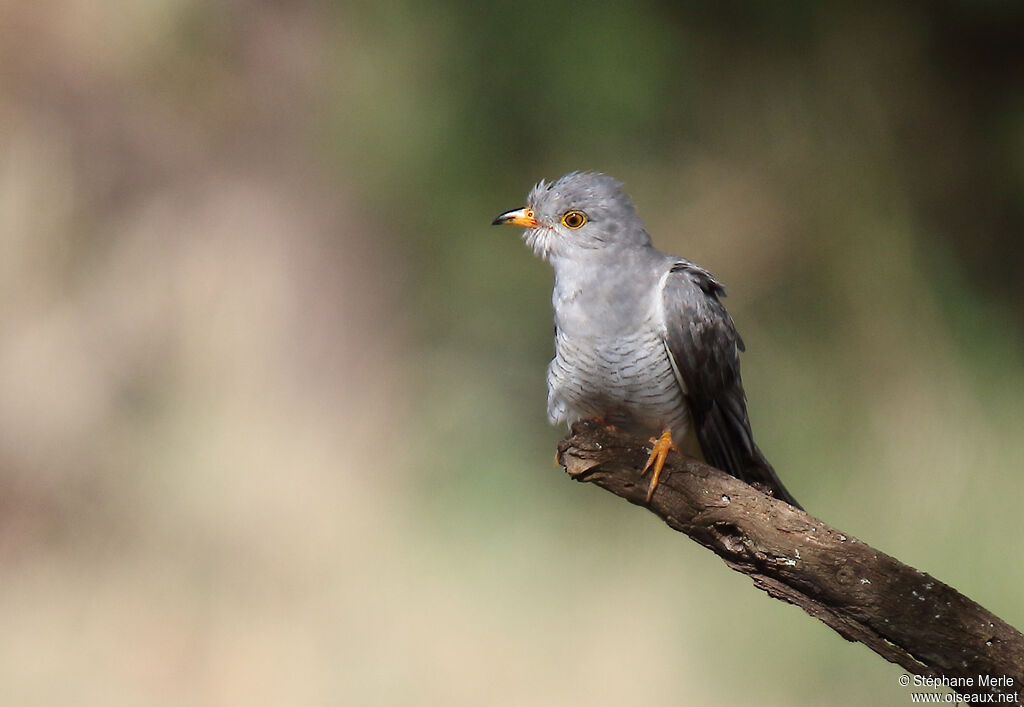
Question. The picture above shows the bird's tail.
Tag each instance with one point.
(760, 474)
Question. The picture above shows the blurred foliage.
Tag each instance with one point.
(272, 391)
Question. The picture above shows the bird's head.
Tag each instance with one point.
(582, 211)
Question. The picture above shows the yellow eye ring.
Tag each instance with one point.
(574, 219)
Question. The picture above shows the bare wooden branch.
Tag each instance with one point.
(906, 616)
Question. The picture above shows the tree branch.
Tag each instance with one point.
(906, 616)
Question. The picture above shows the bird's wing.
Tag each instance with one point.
(704, 346)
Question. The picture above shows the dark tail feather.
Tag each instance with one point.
(727, 443)
(760, 474)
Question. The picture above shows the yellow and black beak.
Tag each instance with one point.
(519, 217)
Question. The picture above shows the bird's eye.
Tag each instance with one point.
(574, 219)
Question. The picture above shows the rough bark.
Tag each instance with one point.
(906, 616)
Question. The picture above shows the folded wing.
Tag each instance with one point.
(704, 346)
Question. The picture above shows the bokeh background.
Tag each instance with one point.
(272, 422)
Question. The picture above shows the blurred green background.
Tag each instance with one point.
(272, 423)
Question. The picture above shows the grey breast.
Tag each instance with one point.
(611, 360)
(625, 379)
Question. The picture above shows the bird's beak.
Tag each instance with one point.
(518, 217)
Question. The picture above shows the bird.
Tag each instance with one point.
(643, 342)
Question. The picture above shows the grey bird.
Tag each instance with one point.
(642, 340)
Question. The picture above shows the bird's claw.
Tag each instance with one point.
(660, 448)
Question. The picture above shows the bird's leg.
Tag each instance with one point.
(597, 420)
(603, 421)
(659, 452)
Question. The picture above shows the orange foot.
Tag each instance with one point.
(659, 452)
(607, 425)
(598, 421)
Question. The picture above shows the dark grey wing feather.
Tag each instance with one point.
(704, 344)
